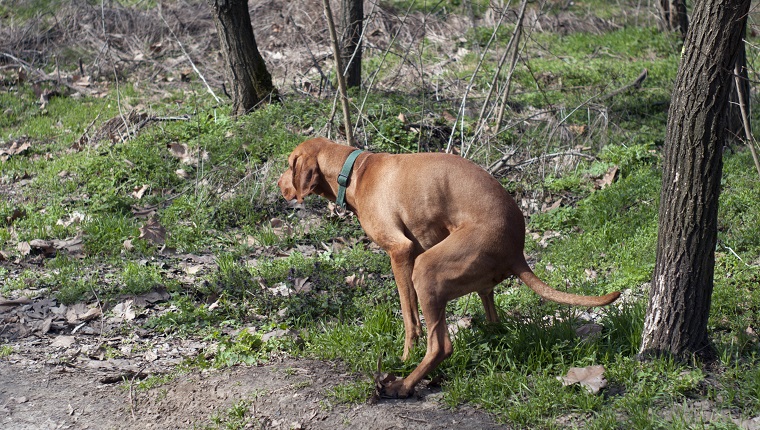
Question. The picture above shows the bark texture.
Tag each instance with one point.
(352, 19)
(247, 74)
(682, 284)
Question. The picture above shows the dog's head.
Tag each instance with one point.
(303, 175)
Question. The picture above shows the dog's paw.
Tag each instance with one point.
(392, 388)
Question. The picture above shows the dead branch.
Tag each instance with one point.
(339, 74)
(44, 77)
(635, 85)
(498, 166)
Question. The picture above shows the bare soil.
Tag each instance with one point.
(285, 395)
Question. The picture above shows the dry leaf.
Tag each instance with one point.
(128, 245)
(73, 246)
(182, 173)
(123, 311)
(302, 285)
(589, 331)
(591, 378)
(63, 341)
(464, 322)
(138, 193)
(15, 148)
(553, 206)
(355, 280)
(80, 312)
(577, 129)
(73, 218)
(153, 232)
(24, 248)
(608, 178)
(16, 214)
(44, 247)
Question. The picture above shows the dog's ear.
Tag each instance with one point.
(305, 175)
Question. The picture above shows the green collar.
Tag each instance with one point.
(345, 175)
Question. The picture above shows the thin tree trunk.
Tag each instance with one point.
(674, 16)
(682, 284)
(247, 74)
(339, 74)
(735, 121)
(352, 19)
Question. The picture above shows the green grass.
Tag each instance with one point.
(607, 237)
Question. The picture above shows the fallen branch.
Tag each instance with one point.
(635, 85)
(496, 169)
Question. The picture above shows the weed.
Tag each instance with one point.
(6, 350)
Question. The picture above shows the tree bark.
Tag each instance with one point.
(352, 19)
(682, 283)
(249, 80)
(674, 16)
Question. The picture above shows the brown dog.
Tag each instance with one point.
(449, 227)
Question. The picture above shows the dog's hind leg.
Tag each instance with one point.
(451, 269)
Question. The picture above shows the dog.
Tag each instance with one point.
(448, 226)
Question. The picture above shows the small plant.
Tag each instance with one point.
(5, 350)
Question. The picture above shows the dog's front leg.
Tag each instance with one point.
(402, 263)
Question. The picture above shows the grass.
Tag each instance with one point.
(224, 203)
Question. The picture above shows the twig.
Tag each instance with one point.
(740, 259)
(542, 157)
(190, 60)
(339, 74)
(512, 63)
(636, 84)
(745, 120)
(460, 111)
(45, 77)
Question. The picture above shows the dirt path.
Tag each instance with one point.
(287, 395)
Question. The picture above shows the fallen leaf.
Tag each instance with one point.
(138, 192)
(73, 218)
(123, 311)
(355, 280)
(461, 323)
(128, 245)
(16, 214)
(73, 246)
(590, 377)
(553, 206)
(24, 248)
(15, 148)
(63, 341)
(153, 232)
(44, 247)
(80, 312)
(302, 285)
(577, 129)
(589, 331)
(608, 178)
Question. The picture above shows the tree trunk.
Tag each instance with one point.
(674, 16)
(250, 82)
(735, 122)
(682, 284)
(352, 18)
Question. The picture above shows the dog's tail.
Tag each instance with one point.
(549, 293)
